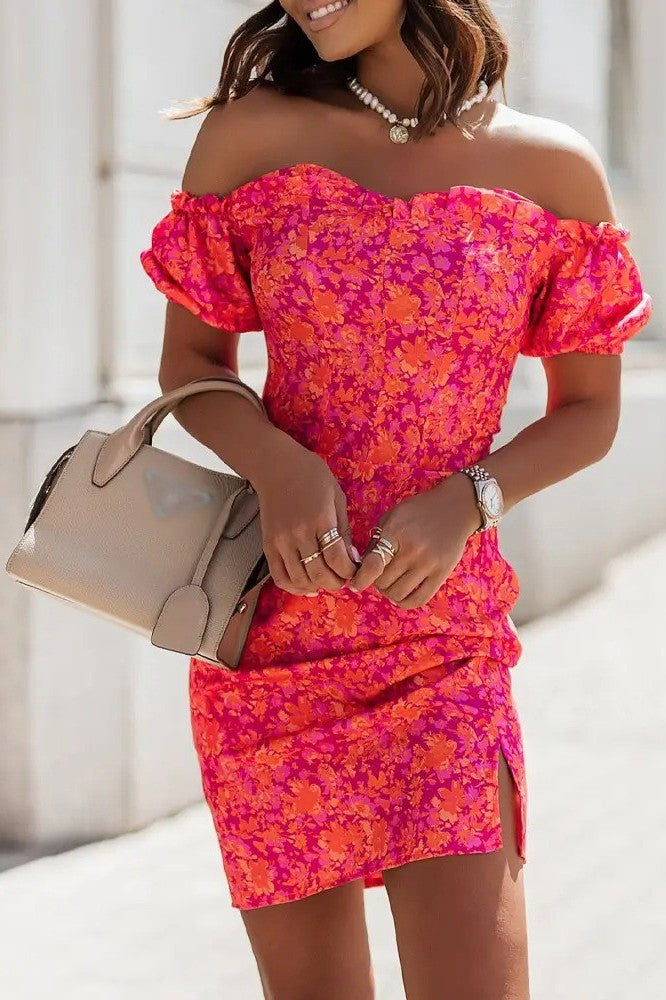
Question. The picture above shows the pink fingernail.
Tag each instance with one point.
(356, 554)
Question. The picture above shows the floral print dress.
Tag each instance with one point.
(356, 736)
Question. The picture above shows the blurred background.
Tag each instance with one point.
(95, 744)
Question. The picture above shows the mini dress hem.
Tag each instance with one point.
(370, 876)
(498, 729)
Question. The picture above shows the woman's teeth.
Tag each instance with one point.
(328, 8)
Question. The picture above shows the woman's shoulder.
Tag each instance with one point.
(554, 164)
(239, 141)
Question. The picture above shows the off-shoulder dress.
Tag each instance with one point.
(357, 736)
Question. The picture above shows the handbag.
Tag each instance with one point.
(142, 537)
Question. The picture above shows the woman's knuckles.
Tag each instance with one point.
(341, 565)
(324, 577)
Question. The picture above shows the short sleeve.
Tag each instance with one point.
(590, 297)
(198, 258)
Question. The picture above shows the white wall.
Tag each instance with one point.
(146, 153)
(48, 174)
(94, 723)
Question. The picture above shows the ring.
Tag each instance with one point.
(383, 555)
(330, 536)
(333, 541)
(380, 539)
(379, 546)
(308, 559)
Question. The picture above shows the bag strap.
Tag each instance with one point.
(182, 621)
(121, 446)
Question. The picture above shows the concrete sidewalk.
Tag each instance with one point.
(147, 915)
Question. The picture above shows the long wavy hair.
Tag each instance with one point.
(457, 43)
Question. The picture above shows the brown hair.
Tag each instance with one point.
(457, 43)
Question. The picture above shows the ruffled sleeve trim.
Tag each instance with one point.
(590, 296)
(199, 259)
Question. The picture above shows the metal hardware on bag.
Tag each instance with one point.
(47, 485)
(241, 608)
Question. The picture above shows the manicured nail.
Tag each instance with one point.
(311, 593)
(355, 553)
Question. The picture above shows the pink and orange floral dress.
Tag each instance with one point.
(357, 736)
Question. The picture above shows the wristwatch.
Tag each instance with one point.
(489, 498)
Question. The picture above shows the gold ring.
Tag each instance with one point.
(380, 539)
(383, 555)
(332, 535)
(388, 549)
(333, 541)
(308, 559)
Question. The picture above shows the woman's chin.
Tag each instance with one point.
(335, 53)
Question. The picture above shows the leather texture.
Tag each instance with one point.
(140, 536)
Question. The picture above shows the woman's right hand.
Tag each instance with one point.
(299, 500)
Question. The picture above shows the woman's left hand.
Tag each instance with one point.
(429, 531)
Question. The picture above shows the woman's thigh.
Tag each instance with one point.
(314, 948)
(460, 920)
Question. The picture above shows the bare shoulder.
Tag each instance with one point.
(557, 166)
(238, 141)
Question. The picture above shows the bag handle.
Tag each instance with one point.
(121, 446)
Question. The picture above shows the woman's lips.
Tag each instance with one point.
(320, 20)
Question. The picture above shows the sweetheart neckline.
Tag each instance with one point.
(471, 189)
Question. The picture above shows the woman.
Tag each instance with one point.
(401, 237)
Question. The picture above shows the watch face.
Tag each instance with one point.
(492, 499)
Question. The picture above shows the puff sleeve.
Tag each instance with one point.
(199, 258)
(590, 297)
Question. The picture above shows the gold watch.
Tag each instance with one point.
(489, 497)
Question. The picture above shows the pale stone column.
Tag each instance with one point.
(517, 19)
(94, 723)
(570, 61)
(94, 728)
(48, 319)
(61, 691)
(48, 251)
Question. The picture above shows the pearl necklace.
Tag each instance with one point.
(399, 131)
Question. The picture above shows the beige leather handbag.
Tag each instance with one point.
(168, 548)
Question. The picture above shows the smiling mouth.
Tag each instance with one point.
(326, 14)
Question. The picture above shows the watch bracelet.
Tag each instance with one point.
(478, 474)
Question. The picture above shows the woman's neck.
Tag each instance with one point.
(390, 71)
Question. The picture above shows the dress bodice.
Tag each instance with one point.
(393, 325)
(390, 321)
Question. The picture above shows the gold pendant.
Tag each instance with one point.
(399, 134)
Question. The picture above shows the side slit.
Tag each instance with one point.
(517, 804)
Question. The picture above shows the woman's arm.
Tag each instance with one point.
(228, 424)
(579, 427)
(583, 404)
(299, 497)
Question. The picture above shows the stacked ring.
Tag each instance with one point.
(383, 546)
(329, 538)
